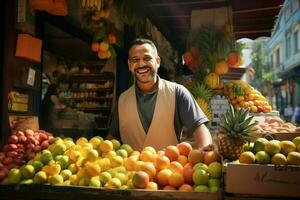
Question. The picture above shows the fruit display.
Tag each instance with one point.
(242, 95)
(95, 19)
(203, 96)
(274, 152)
(274, 125)
(107, 163)
(22, 147)
(236, 126)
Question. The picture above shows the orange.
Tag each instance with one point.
(163, 176)
(169, 187)
(140, 180)
(162, 162)
(187, 173)
(211, 156)
(195, 156)
(182, 160)
(149, 168)
(247, 157)
(95, 46)
(172, 152)
(184, 148)
(152, 186)
(147, 156)
(176, 167)
(185, 188)
(176, 179)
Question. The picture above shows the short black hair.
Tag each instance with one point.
(140, 41)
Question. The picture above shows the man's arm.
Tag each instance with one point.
(202, 136)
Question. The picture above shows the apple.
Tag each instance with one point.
(23, 139)
(2, 155)
(45, 144)
(13, 139)
(12, 147)
(37, 148)
(42, 137)
(20, 133)
(7, 160)
(29, 132)
(12, 154)
(19, 161)
(31, 139)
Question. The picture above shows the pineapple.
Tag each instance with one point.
(236, 124)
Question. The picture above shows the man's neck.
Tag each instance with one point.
(148, 87)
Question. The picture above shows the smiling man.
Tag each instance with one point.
(154, 111)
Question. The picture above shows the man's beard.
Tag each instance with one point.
(150, 72)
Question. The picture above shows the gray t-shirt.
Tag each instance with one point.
(187, 112)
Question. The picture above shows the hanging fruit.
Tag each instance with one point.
(211, 80)
(233, 59)
(221, 67)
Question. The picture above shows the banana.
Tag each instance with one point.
(99, 5)
(83, 3)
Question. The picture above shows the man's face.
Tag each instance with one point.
(143, 62)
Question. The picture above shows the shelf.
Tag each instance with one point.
(89, 89)
(102, 77)
(233, 74)
(87, 98)
(93, 108)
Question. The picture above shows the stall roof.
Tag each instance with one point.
(250, 18)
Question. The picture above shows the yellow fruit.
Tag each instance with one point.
(247, 157)
(287, 147)
(95, 141)
(106, 146)
(56, 180)
(116, 144)
(279, 159)
(293, 158)
(211, 80)
(92, 169)
(272, 147)
(81, 141)
(103, 46)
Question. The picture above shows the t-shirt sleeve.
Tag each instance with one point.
(114, 123)
(190, 114)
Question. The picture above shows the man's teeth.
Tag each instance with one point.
(143, 70)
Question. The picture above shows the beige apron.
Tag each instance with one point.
(161, 132)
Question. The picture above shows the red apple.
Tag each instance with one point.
(51, 139)
(23, 139)
(3, 173)
(7, 160)
(12, 147)
(42, 137)
(20, 133)
(2, 156)
(1, 166)
(45, 144)
(12, 154)
(19, 161)
(29, 132)
(37, 149)
(13, 139)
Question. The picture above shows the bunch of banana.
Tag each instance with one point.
(91, 4)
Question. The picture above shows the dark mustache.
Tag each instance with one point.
(145, 67)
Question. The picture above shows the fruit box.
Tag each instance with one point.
(262, 180)
(277, 136)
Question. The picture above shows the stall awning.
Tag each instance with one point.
(250, 18)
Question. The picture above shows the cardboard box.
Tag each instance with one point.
(29, 47)
(263, 180)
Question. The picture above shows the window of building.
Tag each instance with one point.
(288, 47)
(277, 58)
(295, 5)
(296, 45)
(272, 59)
(288, 11)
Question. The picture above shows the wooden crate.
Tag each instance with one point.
(47, 192)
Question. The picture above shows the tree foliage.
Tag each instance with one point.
(263, 72)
